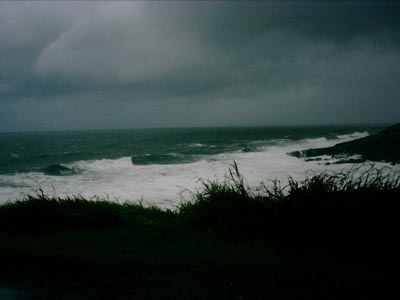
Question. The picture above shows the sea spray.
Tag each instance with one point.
(160, 166)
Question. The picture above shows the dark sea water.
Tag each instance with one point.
(141, 163)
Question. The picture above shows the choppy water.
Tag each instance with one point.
(159, 166)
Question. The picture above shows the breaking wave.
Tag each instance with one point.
(169, 158)
(164, 179)
(60, 170)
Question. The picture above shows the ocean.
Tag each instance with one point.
(159, 166)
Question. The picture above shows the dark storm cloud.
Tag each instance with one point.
(131, 64)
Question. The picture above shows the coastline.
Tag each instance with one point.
(310, 243)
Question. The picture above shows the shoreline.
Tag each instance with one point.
(311, 242)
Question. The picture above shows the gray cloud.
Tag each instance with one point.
(133, 64)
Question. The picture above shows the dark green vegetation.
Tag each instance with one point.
(383, 146)
(332, 236)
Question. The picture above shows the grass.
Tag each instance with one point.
(326, 227)
(43, 214)
(360, 203)
(354, 204)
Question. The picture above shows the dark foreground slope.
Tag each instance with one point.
(328, 237)
(383, 146)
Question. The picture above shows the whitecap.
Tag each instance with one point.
(169, 184)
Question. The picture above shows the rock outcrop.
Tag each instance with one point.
(383, 146)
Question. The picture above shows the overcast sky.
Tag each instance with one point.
(88, 65)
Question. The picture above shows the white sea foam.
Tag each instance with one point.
(168, 185)
(197, 145)
(354, 135)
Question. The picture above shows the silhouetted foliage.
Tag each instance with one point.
(362, 203)
(354, 204)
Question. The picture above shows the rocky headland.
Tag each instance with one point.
(383, 146)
